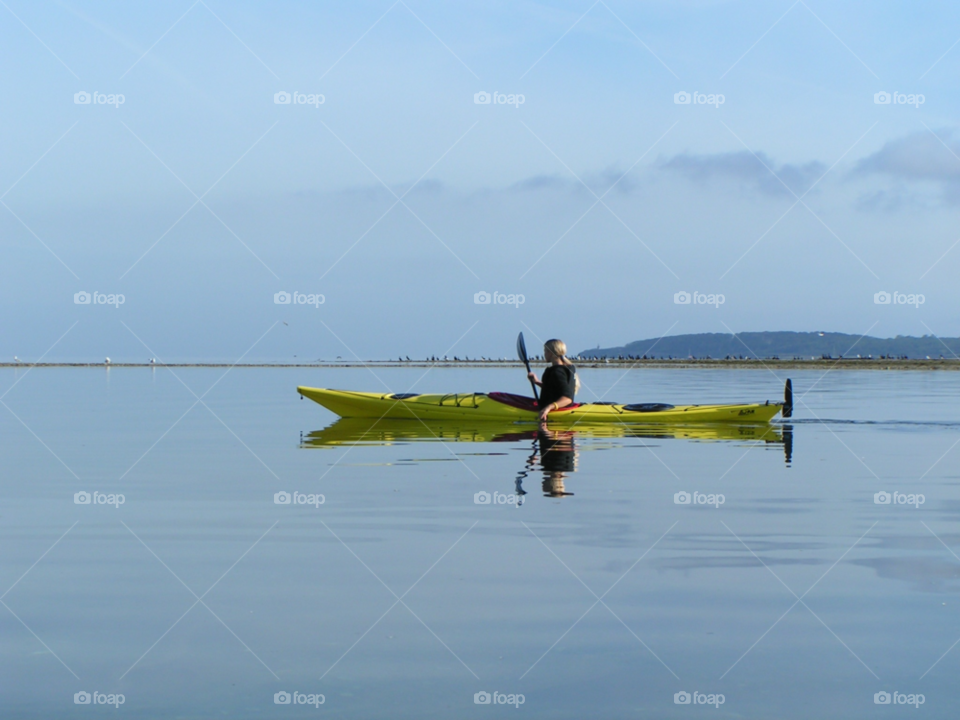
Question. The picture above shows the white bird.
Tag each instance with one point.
(16, 359)
(107, 361)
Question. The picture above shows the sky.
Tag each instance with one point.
(585, 200)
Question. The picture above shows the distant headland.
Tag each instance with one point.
(782, 346)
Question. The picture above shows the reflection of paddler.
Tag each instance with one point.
(558, 455)
(557, 451)
(553, 485)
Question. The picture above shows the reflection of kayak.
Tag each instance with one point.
(516, 408)
(371, 431)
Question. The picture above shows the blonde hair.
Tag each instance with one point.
(558, 349)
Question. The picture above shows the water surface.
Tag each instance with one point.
(592, 593)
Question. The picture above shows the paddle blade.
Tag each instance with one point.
(787, 399)
(522, 349)
(522, 352)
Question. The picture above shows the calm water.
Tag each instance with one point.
(401, 597)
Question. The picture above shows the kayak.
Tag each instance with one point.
(375, 431)
(518, 408)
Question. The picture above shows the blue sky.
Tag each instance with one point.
(399, 198)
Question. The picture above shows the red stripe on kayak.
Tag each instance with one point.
(523, 403)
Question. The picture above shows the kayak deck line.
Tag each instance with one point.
(518, 408)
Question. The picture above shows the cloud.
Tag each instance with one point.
(748, 170)
(614, 177)
(611, 177)
(921, 156)
(540, 182)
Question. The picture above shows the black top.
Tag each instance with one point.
(558, 381)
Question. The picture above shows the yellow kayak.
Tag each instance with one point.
(517, 408)
(372, 431)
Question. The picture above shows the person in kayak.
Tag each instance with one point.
(560, 381)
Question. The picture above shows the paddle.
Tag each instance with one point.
(522, 352)
(787, 400)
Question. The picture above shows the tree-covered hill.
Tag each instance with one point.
(785, 345)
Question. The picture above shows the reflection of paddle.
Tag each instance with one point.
(522, 475)
(522, 352)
